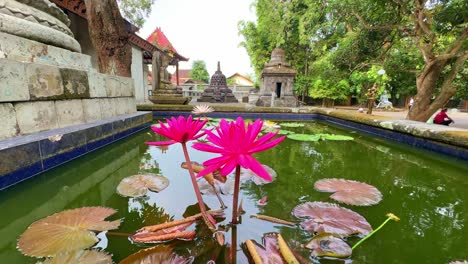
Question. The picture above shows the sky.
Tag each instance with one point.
(204, 30)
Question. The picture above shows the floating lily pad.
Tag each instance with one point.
(269, 252)
(331, 218)
(65, 231)
(285, 132)
(292, 124)
(160, 254)
(81, 257)
(350, 192)
(326, 245)
(304, 137)
(138, 185)
(247, 174)
(335, 137)
(226, 188)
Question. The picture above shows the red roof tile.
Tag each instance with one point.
(159, 39)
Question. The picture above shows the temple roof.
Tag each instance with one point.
(159, 39)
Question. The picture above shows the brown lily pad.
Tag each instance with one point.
(350, 192)
(138, 185)
(269, 252)
(160, 254)
(69, 230)
(331, 218)
(327, 245)
(81, 257)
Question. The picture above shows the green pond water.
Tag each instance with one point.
(429, 192)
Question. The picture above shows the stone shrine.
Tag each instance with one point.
(218, 91)
(164, 92)
(276, 88)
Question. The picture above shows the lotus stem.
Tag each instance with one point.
(157, 238)
(192, 218)
(253, 252)
(390, 216)
(286, 251)
(236, 195)
(273, 219)
(207, 218)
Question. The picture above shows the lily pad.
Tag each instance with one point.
(350, 192)
(285, 132)
(138, 185)
(165, 234)
(247, 174)
(336, 137)
(269, 252)
(292, 124)
(66, 231)
(304, 137)
(226, 188)
(331, 218)
(326, 245)
(81, 257)
(160, 254)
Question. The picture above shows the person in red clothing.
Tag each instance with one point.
(442, 118)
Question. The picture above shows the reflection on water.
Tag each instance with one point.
(427, 191)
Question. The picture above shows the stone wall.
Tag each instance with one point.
(43, 87)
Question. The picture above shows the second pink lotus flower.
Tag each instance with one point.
(236, 142)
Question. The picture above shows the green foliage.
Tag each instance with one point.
(199, 71)
(337, 46)
(136, 11)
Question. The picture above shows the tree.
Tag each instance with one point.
(135, 11)
(108, 32)
(440, 32)
(422, 44)
(199, 71)
(109, 37)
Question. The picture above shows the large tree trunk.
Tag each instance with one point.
(426, 83)
(109, 37)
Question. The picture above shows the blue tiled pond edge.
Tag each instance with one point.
(26, 156)
(396, 130)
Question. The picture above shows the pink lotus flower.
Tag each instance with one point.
(178, 130)
(181, 130)
(236, 143)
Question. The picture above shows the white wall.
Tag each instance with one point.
(138, 75)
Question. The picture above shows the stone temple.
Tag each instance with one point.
(276, 88)
(218, 91)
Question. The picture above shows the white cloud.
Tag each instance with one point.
(204, 30)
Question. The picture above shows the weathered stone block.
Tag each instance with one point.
(127, 86)
(25, 50)
(91, 109)
(36, 116)
(44, 81)
(13, 85)
(75, 83)
(9, 126)
(69, 112)
(131, 105)
(97, 84)
(113, 86)
(108, 107)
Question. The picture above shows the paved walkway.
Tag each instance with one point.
(460, 118)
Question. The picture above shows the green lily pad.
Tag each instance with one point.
(138, 185)
(292, 124)
(335, 137)
(304, 137)
(285, 132)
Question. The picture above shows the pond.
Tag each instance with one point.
(426, 190)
